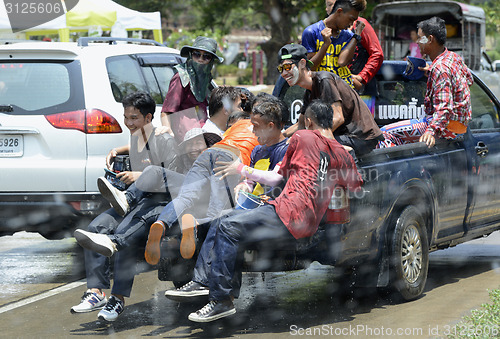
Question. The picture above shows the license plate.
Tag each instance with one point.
(11, 145)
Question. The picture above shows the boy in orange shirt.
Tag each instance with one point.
(237, 142)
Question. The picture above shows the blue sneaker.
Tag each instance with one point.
(114, 307)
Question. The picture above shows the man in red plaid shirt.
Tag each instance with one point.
(447, 99)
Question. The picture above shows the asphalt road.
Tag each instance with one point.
(42, 279)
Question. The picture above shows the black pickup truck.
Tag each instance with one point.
(414, 200)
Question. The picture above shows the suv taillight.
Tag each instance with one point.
(92, 121)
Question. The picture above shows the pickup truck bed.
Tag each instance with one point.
(414, 200)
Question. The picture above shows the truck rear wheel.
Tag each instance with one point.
(409, 254)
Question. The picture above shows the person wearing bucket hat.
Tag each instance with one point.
(145, 148)
(353, 122)
(447, 104)
(195, 141)
(313, 165)
(186, 102)
(268, 117)
(101, 242)
(122, 241)
(204, 44)
(238, 142)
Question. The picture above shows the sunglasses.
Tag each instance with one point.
(204, 56)
(285, 67)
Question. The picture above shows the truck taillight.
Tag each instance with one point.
(92, 121)
(85, 205)
(338, 211)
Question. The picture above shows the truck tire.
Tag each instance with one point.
(409, 254)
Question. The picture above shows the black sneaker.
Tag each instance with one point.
(114, 307)
(190, 290)
(212, 311)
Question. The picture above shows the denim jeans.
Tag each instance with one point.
(154, 179)
(132, 238)
(219, 262)
(130, 234)
(199, 176)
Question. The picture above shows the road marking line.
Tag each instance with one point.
(42, 296)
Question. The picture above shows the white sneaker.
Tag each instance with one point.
(91, 301)
(116, 198)
(114, 307)
(96, 242)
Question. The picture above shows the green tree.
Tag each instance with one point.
(492, 14)
(279, 17)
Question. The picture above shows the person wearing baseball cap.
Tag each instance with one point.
(186, 102)
(353, 123)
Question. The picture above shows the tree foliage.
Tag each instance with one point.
(279, 17)
(283, 19)
(492, 11)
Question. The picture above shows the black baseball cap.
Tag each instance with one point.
(293, 51)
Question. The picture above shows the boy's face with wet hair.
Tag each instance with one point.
(262, 128)
(134, 119)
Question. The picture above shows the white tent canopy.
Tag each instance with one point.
(90, 13)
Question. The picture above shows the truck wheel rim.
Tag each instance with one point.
(411, 254)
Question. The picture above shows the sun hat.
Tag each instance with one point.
(210, 138)
(205, 44)
(412, 64)
(293, 51)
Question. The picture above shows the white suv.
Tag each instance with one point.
(60, 114)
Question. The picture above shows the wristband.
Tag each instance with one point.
(357, 37)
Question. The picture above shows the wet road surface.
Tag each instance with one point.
(282, 305)
(31, 264)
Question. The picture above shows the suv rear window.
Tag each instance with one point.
(148, 73)
(40, 87)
